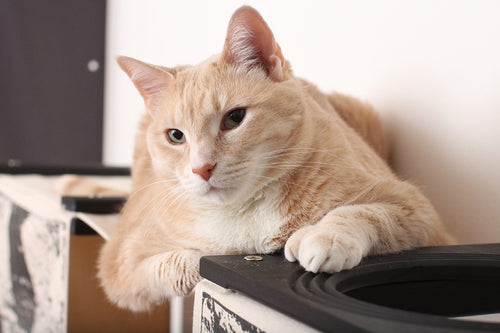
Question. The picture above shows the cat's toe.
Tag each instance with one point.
(314, 252)
(318, 250)
(308, 247)
(312, 260)
(344, 254)
(293, 244)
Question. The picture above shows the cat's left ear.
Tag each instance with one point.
(151, 81)
(250, 42)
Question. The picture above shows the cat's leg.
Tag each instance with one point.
(138, 283)
(363, 119)
(348, 233)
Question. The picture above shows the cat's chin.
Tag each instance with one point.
(218, 195)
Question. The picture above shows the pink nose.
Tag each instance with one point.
(205, 171)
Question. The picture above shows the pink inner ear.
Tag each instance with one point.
(150, 81)
(250, 42)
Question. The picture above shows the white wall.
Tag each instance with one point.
(431, 68)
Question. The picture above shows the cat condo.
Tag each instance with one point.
(436, 289)
(50, 245)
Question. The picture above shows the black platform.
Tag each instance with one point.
(413, 291)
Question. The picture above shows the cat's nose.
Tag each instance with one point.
(204, 171)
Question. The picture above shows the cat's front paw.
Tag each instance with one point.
(320, 249)
(180, 270)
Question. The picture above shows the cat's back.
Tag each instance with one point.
(358, 115)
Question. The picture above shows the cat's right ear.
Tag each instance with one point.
(250, 42)
(151, 81)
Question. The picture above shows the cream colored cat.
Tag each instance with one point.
(236, 155)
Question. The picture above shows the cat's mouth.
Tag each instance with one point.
(213, 191)
(218, 195)
(216, 189)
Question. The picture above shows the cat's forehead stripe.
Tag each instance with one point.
(195, 102)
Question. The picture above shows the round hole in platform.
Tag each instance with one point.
(446, 290)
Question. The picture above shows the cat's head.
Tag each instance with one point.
(221, 128)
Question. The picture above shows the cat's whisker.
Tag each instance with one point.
(156, 207)
(228, 170)
(159, 206)
(296, 166)
(152, 214)
(338, 160)
(272, 155)
(231, 175)
(233, 164)
(319, 168)
(160, 213)
(295, 163)
(153, 200)
(151, 184)
(300, 149)
(182, 196)
(271, 179)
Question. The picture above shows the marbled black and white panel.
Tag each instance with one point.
(34, 254)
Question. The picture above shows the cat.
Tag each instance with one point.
(236, 156)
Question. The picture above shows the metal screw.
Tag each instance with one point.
(253, 258)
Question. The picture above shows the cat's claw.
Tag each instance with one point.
(320, 249)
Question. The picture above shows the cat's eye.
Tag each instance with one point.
(175, 136)
(233, 119)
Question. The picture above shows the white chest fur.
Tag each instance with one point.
(248, 229)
